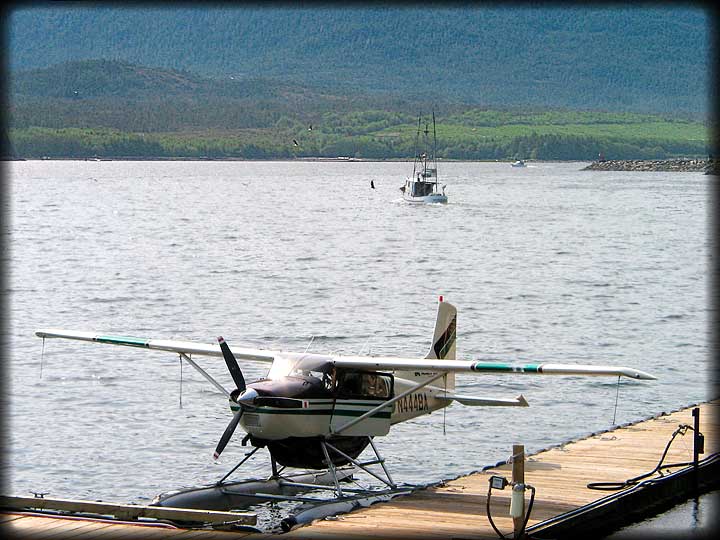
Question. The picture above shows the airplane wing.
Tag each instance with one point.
(470, 366)
(356, 362)
(169, 345)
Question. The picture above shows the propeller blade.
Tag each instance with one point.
(228, 433)
(280, 402)
(232, 365)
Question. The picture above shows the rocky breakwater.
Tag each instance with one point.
(663, 165)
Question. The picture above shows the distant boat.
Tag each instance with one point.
(519, 163)
(422, 186)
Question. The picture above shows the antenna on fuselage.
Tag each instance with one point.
(364, 345)
(42, 356)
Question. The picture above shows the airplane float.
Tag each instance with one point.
(320, 411)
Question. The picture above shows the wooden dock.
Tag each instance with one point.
(563, 505)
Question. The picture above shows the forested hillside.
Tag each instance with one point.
(115, 109)
(642, 59)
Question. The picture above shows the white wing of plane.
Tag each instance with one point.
(316, 361)
(169, 345)
(472, 366)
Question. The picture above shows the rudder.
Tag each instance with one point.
(442, 346)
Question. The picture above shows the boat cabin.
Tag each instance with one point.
(420, 188)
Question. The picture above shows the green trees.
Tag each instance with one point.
(37, 142)
(184, 116)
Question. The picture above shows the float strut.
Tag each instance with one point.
(247, 456)
(331, 468)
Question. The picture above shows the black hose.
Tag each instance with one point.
(614, 486)
(527, 514)
(530, 505)
(490, 519)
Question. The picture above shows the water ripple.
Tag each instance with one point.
(552, 266)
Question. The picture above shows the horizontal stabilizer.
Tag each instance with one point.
(478, 401)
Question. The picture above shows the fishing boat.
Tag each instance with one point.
(519, 163)
(423, 186)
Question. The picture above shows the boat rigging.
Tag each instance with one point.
(423, 186)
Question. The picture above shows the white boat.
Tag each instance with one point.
(422, 186)
(519, 163)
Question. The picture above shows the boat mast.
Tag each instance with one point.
(434, 154)
(426, 150)
(416, 156)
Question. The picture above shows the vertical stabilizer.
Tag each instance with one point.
(443, 342)
(442, 346)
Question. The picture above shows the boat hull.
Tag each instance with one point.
(428, 199)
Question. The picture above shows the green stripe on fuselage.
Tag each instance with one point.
(123, 340)
(315, 412)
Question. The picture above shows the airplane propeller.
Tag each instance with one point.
(232, 365)
(236, 395)
(228, 433)
(246, 397)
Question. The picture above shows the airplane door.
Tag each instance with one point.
(357, 392)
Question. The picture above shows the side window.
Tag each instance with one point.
(364, 385)
(386, 382)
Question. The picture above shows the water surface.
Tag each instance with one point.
(545, 264)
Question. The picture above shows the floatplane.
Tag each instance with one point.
(321, 411)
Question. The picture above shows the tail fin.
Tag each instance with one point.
(443, 345)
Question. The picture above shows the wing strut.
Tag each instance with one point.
(204, 373)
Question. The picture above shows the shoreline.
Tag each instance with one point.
(302, 159)
(707, 166)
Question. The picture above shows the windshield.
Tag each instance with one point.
(299, 364)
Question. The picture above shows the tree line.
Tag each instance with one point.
(38, 142)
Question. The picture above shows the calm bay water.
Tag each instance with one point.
(545, 264)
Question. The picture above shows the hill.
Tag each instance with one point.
(128, 97)
(642, 59)
(116, 109)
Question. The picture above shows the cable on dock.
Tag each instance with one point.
(614, 486)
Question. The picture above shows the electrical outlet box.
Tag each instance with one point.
(498, 482)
